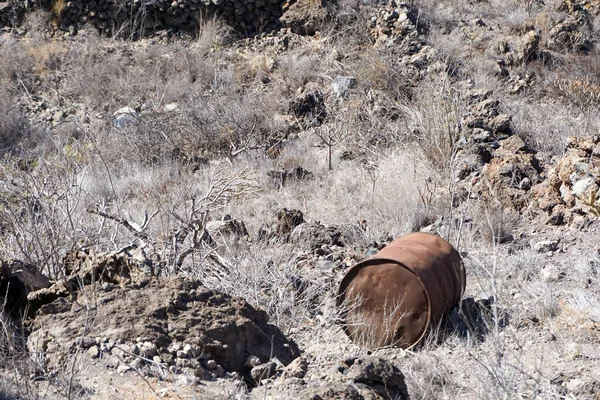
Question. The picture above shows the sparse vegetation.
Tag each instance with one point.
(442, 89)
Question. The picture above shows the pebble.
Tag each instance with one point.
(122, 368)
(94, 352)
(148, 350)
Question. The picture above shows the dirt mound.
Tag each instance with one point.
(167, 316)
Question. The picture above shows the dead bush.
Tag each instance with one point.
(435, 120)
(17, 135)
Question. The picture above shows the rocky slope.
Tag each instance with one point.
(185, 206)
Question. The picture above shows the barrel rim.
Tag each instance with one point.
(375, 261)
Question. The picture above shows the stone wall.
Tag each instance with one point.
(135, 18)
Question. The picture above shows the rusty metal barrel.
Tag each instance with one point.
(394, 297)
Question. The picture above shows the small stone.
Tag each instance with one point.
(211, 364)
(263, 371)
(116, 351)
(481, 136)
(188, 350)
(501, 123)
(94, 352)
(148, 350)
(157, 359)
(174, 347)
(171, 107)
(122, 368)
(124, 117)
(252, 361)
(136, 363)
(298, 368)
(113, 362)
(85, 342)
(514, 144)
(167, 358)
(575, 385)
(182, 362)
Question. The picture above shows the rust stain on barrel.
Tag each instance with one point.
(392, 298)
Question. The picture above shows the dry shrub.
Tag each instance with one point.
(495, 225)
(16, 133)
(582, 92)
(41, 214)
(435, 120)
(220, 126)
(546, 125)
(111, 76)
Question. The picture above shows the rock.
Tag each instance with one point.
(545, 246)
(305, 17)
(27, 274)
(174, 347)
(568, 36)
(148, 350)
(315, 235)
(93, 352)
(478, 95)
(85, 342)
(503, 176)
(252, 361)
(122, 368)
(296, 369)
(13, 293)
(84, 266)
(514, 144)
(423, 58)
(263, 371)
(341, 85)
(125, 117)
(171, 107)
(288, 220)
(166, 358)
(117, 352)
(528, 47)
(227, 228)
(501, 123)
(113, 362)
(309, 105)
(585, 188)
(575, 179)
(379, 374)
(294, 174)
